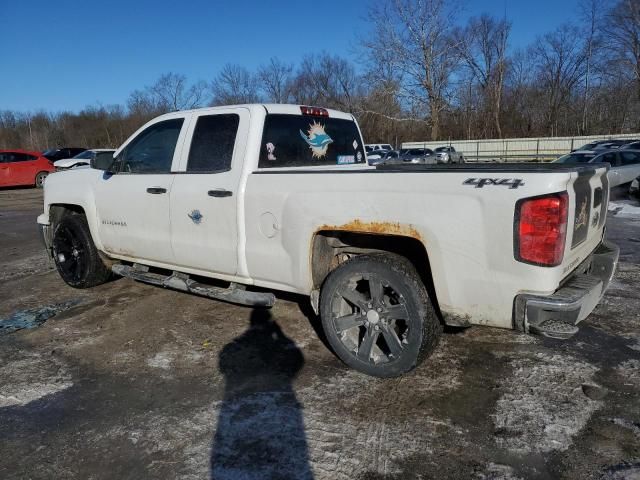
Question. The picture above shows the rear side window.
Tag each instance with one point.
(630, 158)
(152, 150)
(304, 141)
(212, 143)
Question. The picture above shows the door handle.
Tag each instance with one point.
(156, 190)
(219, 192)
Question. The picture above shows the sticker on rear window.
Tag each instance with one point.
(270, 149)
(343, 159)
(317, 139)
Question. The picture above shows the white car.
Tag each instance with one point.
(625, 163)
(370, 147)
(280, 197)
(82, 159)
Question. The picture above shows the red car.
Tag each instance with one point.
(19, 167)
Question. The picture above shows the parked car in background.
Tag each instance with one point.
(20, 167)
(409, 156)
(635, 145)
(634, 189)
(376, 156)
(610, 144)
(625, 164)
(82, 159)
(55, 154)
(448, 155)
(377, 146)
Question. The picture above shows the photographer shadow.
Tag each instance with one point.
(260, 431)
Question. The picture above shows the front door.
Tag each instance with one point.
(133, 202)
(204, 197)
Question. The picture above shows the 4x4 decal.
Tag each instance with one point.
(503, 182)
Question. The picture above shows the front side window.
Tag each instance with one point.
(305, 141)
(212, 145)
(152, 150)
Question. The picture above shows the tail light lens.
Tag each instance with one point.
(541, 229)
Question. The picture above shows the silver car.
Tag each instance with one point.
(625, 163)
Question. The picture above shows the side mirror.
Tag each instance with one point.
(102, 161)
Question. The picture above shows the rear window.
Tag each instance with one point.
(301, 141)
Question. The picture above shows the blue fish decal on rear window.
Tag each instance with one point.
(318, 140)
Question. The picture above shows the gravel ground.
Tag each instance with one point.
(131, 381)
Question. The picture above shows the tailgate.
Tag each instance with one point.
(589, 197)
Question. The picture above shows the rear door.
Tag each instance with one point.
(205, 195)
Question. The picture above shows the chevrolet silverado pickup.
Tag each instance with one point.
(236, 202)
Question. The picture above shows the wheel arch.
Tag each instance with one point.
(331, 247)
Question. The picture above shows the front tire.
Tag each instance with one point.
(377, 316)
(75, 255)
(40, 178)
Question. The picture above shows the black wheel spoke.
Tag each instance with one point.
(392, 340)
(376, 290)
(368, 342)
(397, 312)
(348, 321)
(356, 298)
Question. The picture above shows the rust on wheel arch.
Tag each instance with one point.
(377, 228)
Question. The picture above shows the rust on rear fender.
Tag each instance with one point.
(377, 228)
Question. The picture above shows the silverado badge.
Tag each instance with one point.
(196, 216)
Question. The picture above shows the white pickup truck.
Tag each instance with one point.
(233, 202)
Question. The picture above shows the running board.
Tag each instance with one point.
(235, 293)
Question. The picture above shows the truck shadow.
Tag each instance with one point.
(260, 429)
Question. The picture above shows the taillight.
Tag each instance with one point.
(541, 229)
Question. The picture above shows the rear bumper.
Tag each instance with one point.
(576, 299)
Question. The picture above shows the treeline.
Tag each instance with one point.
(423, 76)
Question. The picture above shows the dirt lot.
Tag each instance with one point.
(131, 381)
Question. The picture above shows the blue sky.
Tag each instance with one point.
(63, 55)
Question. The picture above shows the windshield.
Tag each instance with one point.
(51, 151)
(87, 154)
(576, 158)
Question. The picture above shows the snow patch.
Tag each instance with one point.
(162, 360)
(498, 472)
(30, 379)
(630, 372)
(624, 209)
(543, 406)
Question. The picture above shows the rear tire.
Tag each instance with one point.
(40, 178)
(75, 255)
(377, 315)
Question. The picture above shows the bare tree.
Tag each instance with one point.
(276, 80)
(591, 13)
(560, 61)
(327, 80)
(171, 92)
(233, 85)
(411, 37)
(623, 30)
(482, 45)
